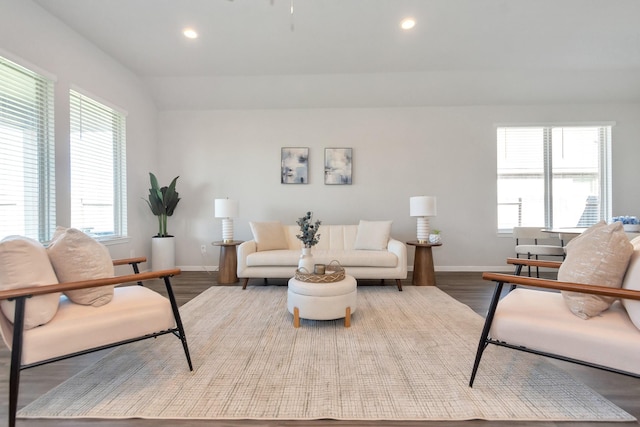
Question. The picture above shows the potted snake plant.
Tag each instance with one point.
(162, 201)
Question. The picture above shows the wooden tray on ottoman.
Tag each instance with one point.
(336, 274)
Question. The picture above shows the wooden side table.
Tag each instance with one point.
(423, 272)
(228, 264)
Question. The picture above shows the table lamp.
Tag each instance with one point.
(226, 209)
(422, 207)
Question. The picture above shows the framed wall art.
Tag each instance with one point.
(294, 165)
(337, 166)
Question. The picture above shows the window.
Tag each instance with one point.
(27, 184)
(98, 168)
(553, 176)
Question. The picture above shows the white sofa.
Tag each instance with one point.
(337, 242)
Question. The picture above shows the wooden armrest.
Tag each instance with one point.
(562, 286)
(534, 262)
(69, 286)
(126, 261)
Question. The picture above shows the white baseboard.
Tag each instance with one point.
(203, 268)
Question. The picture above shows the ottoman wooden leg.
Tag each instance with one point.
(296, 317)
(347, 318)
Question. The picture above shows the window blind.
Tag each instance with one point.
(27, 171)
(553, 176)
(98, 167)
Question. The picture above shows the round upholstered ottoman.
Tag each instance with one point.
(322, 301)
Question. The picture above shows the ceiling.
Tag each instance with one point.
(261, 38)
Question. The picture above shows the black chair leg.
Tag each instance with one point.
(16, 356)
(485, 331)
(176, 315)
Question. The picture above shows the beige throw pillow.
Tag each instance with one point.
(373, 235)
(599, 256)
(76, 256)
(24, 263)
(269, 235)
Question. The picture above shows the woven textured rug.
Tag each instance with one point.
(407, 356)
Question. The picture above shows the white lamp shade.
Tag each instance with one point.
(226, 208)
(422, 206)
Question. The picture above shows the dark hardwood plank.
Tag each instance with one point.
(467, 287)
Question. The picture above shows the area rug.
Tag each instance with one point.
(407, 356)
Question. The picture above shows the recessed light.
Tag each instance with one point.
(407, 23)
(190, 33)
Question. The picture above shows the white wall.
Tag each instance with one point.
(32, 37)
(448, 152)
(445, 151)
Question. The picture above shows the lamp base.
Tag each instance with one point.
(227, 230)
(423, 229)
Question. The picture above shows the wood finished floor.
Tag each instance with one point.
(466, 287)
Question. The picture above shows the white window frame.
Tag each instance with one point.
(604, 150)
(107, 142)
(27, 152)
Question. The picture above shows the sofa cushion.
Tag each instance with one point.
(373, 235)
(599, 256)
(283, 258)
(268, 235)
(632, 281)
(24, 263)
(76, 256)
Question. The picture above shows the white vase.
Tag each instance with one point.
(305, 263)
(163, 253)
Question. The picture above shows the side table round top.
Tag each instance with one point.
(223, 243)
(425, 244)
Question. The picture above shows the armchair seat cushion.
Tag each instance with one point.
(134, 311)
(540, 320)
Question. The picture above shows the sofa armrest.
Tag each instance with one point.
(399, 249)
(562, 286)
(83, 284)
(244, 250)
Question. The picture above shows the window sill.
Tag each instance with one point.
(112, 241)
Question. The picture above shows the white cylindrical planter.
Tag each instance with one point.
(163, 253)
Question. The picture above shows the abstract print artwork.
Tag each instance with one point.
(337, 165)
(294, 165)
